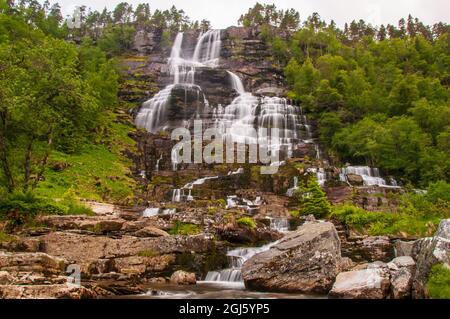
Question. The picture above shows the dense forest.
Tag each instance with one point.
(380, 95)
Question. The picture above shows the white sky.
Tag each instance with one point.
(224, 13)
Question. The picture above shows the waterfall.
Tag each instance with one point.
(291, 191)
(150, 212)
(370, 176)
(279, 224)
(157, 163)
(237, 258)
(152, 114)
(176, 195)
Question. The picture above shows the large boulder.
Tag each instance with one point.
(305, 261)
(429, 252)
(370, 283)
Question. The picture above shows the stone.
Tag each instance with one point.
(85, 250)
(355, 180)
(346, 264)
(305, 261)
(150, 231)
(431, 251)
(61, 291)
(370, 283)
(368, 249)
(402, 262)
(101, 224)
(181, 277)
(32, 262)
(401, 283)
(403, 248)
(5, 278)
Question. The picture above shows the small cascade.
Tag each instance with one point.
(321, 176)
(150, 212)
(237, 258)
(291, 191)
(176, 195)
(157, 163)
(234, 201)
(143, 174)
(279, 224)
(371, 176)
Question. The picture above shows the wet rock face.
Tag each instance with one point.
(429, 252)
(305, 261)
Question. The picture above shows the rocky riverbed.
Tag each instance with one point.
(125, 254)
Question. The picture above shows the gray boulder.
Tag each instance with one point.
(305, 261)
(370, 283)
(430, 251)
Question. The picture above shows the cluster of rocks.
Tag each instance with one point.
(309, 261)
(103, 251)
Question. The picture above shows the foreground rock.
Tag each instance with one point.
(31, 262)
(370, 283)
(429, 252)
(305, 261)
(376, 280)
(183, 278)
(62, 291)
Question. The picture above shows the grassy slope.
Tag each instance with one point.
(99, 171)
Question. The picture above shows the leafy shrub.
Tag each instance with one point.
(181, 228)
(439, 282)
(246, 222)
(21, 208)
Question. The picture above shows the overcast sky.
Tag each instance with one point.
(224, 13)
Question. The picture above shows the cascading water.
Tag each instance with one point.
(152, 115)
(371, 176)
(291, 191)
(237, 257)
(279, 224)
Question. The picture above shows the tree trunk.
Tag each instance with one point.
(5, 165)
(44, 161)
(27, 163)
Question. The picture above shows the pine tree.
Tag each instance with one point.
(313, 200)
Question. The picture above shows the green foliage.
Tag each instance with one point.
(439, 282)
(20, 208)
(312, 199)
(246, 222)
(382, 103)
(181, 228)
(417, 214)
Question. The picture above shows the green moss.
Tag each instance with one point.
(439, 282)
(181, 228)
(147, 253)
(246, 222)
(5, 238)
